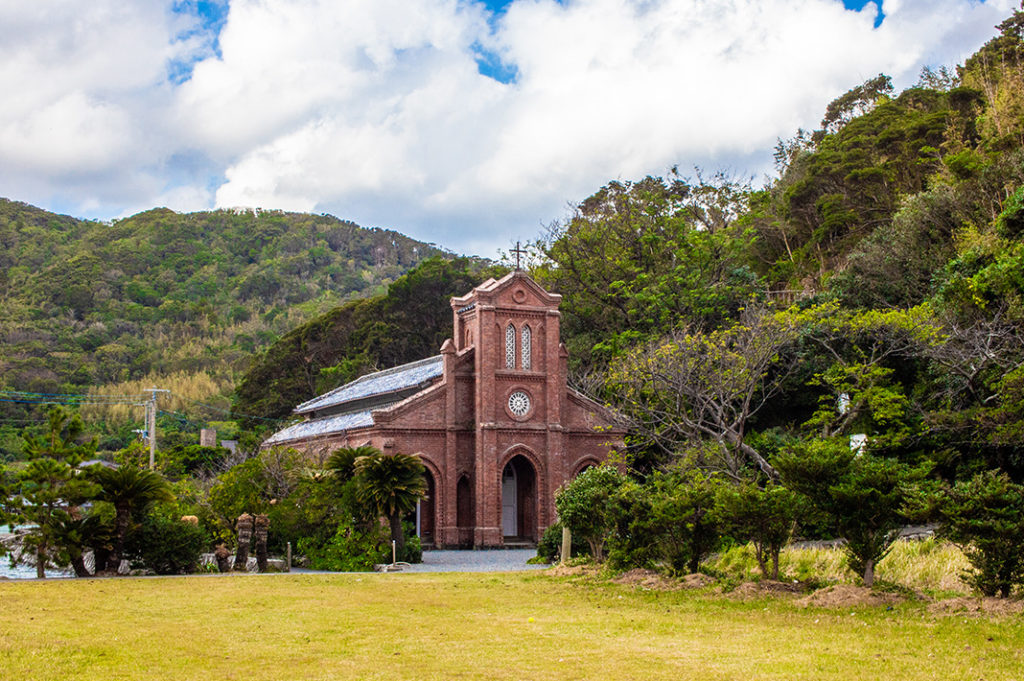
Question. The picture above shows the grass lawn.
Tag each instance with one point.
(471, 626)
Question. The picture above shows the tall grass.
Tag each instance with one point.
(926, 565)
(186, 388)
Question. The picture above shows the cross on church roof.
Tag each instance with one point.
(518, 251)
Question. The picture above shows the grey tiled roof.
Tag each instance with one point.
(379, 383)
(324, 426)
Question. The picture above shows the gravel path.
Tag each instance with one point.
(498, 560)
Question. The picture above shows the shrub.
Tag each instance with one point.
(765, 516)
(583, 505)
(165, 544)
(984, 516)
(351, 549)
(863, 495)
(549, 548)
(669, 520)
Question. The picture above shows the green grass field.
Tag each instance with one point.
(471, 626)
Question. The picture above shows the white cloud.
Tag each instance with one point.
(374, 110)
(84, 88)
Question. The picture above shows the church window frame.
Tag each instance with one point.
(510, 346)
(526, 348)
(519, 404)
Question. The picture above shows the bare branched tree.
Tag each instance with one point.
(694, 387)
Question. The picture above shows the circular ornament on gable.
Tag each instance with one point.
(519, 404)
(519, 295)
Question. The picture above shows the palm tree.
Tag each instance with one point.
(391, 486)
(130, 490)
(342, 462)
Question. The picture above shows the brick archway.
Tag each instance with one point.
(430, 514)
(519, 500)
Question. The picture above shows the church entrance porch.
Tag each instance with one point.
(519, 501)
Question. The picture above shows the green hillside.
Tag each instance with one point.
(165, 297)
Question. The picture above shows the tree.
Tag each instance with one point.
(855, 102)
(391, 485)
(638, 259)
(862, 495)
(765, 516)
(705, 387)
(130, 491)
(685, 526)
(583, 505)
(984, 516)
(48, 492)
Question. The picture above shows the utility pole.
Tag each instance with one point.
(151, 423)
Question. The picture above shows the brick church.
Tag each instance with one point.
(491, 418)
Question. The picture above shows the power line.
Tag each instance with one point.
(25, 397)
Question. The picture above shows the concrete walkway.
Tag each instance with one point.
(498, 560)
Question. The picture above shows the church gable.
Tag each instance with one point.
(425, 409)
(584, 414)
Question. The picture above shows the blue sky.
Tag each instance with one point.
(464, 123)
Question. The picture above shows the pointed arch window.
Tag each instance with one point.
(527, 349)
(510, 347)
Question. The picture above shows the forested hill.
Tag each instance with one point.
(88, 303)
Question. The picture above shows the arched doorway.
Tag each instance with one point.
(425, 513)
(519, 500)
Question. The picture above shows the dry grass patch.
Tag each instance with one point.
(993, 607)
(849, 596)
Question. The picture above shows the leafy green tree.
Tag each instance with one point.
(670, 520)
(584, 506)
(391, 485)
(131, 491)
(765, 516)
(48, 492)
(684, 518)
(639, 259)
(984, 516)
(864, 496)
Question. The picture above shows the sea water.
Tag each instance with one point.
(24, 571)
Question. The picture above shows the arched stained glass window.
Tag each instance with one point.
(527, 348)
(510, 347)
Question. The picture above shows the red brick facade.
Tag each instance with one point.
(500, 431)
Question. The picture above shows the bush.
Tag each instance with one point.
(583, 505)
(549, 548)
(985, 518)
(412, 552)
(351, 549)
(765, 516)
(864, 496)
(165, 544)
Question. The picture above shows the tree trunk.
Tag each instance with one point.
(121, 522)
(40, 562)
(78, 565)
(759, 555)
(222, 554)
(262, 525)
(395, 520)
(244, 526)
(869, 573)
(775, 565)
(101, 557)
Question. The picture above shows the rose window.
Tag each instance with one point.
(519, 403)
